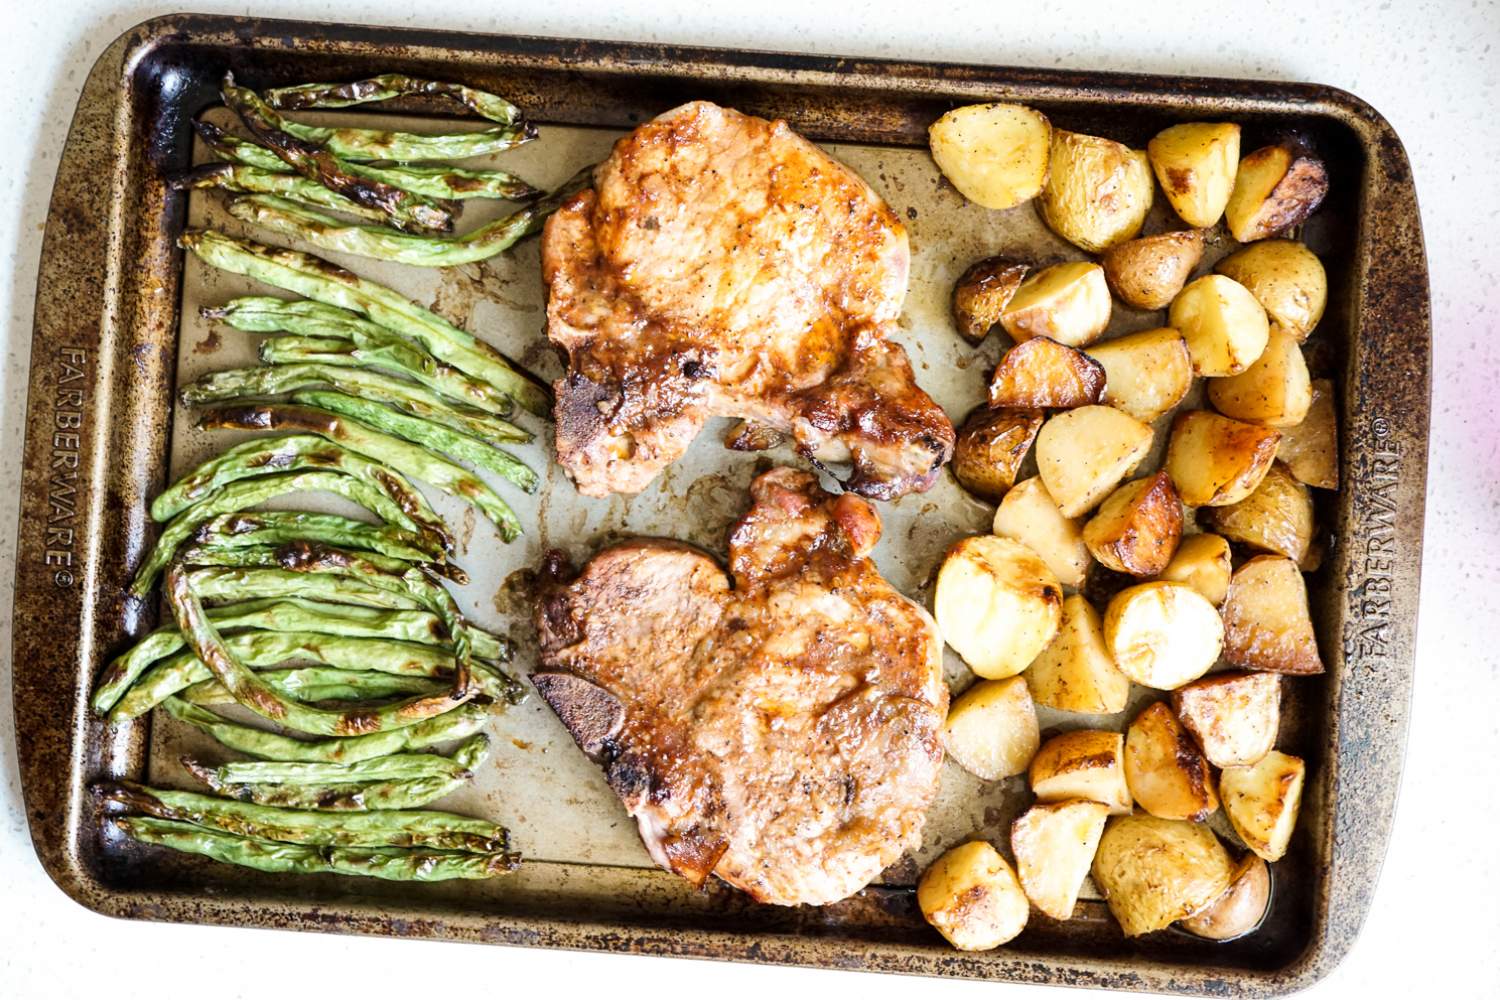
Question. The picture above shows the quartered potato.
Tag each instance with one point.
(1276, 187)
(1234, 716)
(1136, 529)
(1146, 373)
(1041, 373)
(992, 730)
(1240, 909)
(1262, 801)
(1149, 271)
(1286, 278)
(1075, 673)
(973, 898)
(1097, 192)
(1266, 622)
(1054, 845)
(1163, 635)
(1203, 563)
(1083, 454)
(1082, 764)
(1311, 449)
(982, 293)
(1196, 163)
(1275, 390)
(1277, 517)
(1213, 460)
(997, 604)
(1167, 773)
(1029, 515)
(1225, 328)
(995, 154)
(1067, 302)
(990, 448)
(1155, 871)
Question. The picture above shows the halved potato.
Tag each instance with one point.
(982, 293)
(992, 730)
(1311, 449)
(1202, 562)
(1213, 460)
(1154, 871)
(1162, 635)
(1196, 163)
(995, 154)
(1276, 187)
(1083, 454)
(1082, 764)
(1235, 716)
(1041, 373)
(1275, 390)
(1266, 622)
(1240, 909)
(1277, 517)
(1030, 516)
(1138, 527)
(1146, 373)
(1262, 801)
(1286, 278)
(1167, 773)
(990, 448)
(1075, 673)
(1054, 844)
(973, 898)
(1097, 192)
(1067, 302)
(1225, 328)
(997, 604)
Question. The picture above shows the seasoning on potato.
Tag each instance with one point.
(1276, 187)
(1136, 529)
(990, 448)
(1156, 871)
(1029, 515)
(1311, 449)
(1196, 163)
(1276, 390)
(1167, 773)
(1082, 764)
(982, 293)
(1076, 673)
(1149, 271)
(1286, 278)
(1202, 561)
(1083, 454)
(1067, 302)
(995, 154)
(1146, 374)
(1054, 845)
(1277, 517)
(1225, 328)
(1234, 716)
(1267, 625)
(1241, 907)
(1040, 373)
(992, 730)
(1213, 460)
(972, 897)
(1098, 191)
(1262, 801)
(997, 604)
(1163, 635)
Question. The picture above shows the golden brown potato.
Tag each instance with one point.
(1029, 515)
(1097, 192)
(1082, 764)
(1235, 716)
(1075, 673)
(1240, 909)
(1225, 328)
(1083, 454)
(1276, 187)
(990, 448)
(1068, 303)
(1286, 278)
(1196, 163)
(1146, 373)
(997, 604)
(992, 730)
(1266, 622)
(1262, 801)
(995, 154)
(1054, 844)
(983, 292)
(1203, 563)
(1215, 461)
(1277, 517)
(1162, 635)
(1275, 390)
(1138, 527)
(971, 896)
(1149, 271)
(1154, 871)
(1041, 373)
(1311, 449)
(1167, 773)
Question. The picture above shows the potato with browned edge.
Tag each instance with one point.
(1167, 773)
(1234, 716)
(995, 154)
(1267, 625)
(1276, 390)
(1029, 515)
(1276, 187)
(1040, 373)
(1196, 163)
(1286, 278)
(1311, 449)
(1082, 764)
(983, 292)
(1225, 328)
(992, 730)
(990, 448)
(1262, 801)
(1083, 454)
(1277, 517)
(997, 604)
(1054, 844)
(1075, 673)
(1215, 461)
(1148, 271)
(1162, 635)
(972, 897)
(1137, 528)
(1202, 561)
(1145, 373)
(1097, 192)
(1241, 907)
(1156, 871)
(1067, 302)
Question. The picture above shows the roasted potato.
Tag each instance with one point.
(1154, 871)
(990, 448)
(1266, 622)
(1286, 278)
(1262, 801)
(1167, 773)
(1029, 515)
(1225, 328)
(1202, 562)
(1311, 449)
(1083, 454)
(982, 293)
(1275, 188)
(1146, 373)
(997, 604)
(1041, 373)
(1075, 673)
(973, 898)
(1067, 302)
(1215, 461)
(1097, 192)
(1082, 764)
(1277, 517)
(1149, 271)
(1234, 716)
(1162, 635)
(995, 154)
(1240, 909)
(1196, 163)
(1137, 528)
(1054, 844)
(992, 730)
(1275, 390)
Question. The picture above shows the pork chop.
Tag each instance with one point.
(782, 732)
(722, 265)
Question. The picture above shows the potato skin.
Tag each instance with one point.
(1042, 374)
(1137, 528)
(1167, 773)
(982, 293)
(1277, 517)
(1311, 449)
(1240, 909)
(990, 448)
(1234, 716)
(1097, 192)
(1286, 278)
(1277, 187)
(1156, 871)
(1149, 271)
(1267, 625)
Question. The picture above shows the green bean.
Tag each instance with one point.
(280, 527)
(317, 684)
(215, 583)
(386, 87)
(394, 767)
(240, 178)
(277, 556)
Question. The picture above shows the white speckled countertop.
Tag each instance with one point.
(1432, 69)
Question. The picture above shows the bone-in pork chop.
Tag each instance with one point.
(780, 732)
(722, 265)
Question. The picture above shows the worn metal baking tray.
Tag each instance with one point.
(116, 329)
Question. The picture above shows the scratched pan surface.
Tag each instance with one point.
(587, 881)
